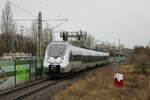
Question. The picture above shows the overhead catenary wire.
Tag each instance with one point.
(56, 19)
(42, 20)
(47, 7)
(59, 24)
(22, 9)
(24, 19)
(60, 14)
(62, 19)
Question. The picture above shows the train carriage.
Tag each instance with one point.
(63, 58)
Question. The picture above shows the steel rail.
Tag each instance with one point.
(20, 97)
(21, 87)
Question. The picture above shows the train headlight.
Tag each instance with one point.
(48, 59)
(62, 59)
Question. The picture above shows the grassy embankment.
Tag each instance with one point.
(99, 85)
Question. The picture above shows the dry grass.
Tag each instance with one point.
(99, 85)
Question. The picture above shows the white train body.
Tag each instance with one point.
(62, 57)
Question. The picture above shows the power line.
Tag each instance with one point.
(42, 20)
(59, 24)
(55, 19)
(24, 19)
(46, 6)
(23, 9)
(63, 19)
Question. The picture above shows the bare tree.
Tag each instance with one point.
(46, 35)
(51, 35)
(34, 30)
(87, 42)
(7, 24)
(8, 28)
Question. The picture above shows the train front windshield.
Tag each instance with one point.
(57, 50)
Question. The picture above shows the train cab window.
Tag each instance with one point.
(56, 50)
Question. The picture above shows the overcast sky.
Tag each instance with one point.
(106, 20)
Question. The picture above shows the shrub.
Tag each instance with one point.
(140, 57)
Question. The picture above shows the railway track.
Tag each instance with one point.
(26, 91)
(22, 90)
(33, 90)
(36, 90)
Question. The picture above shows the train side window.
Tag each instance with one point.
(77, 57)
(84, 58)
(74, 57)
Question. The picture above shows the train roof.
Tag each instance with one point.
(80, 50)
